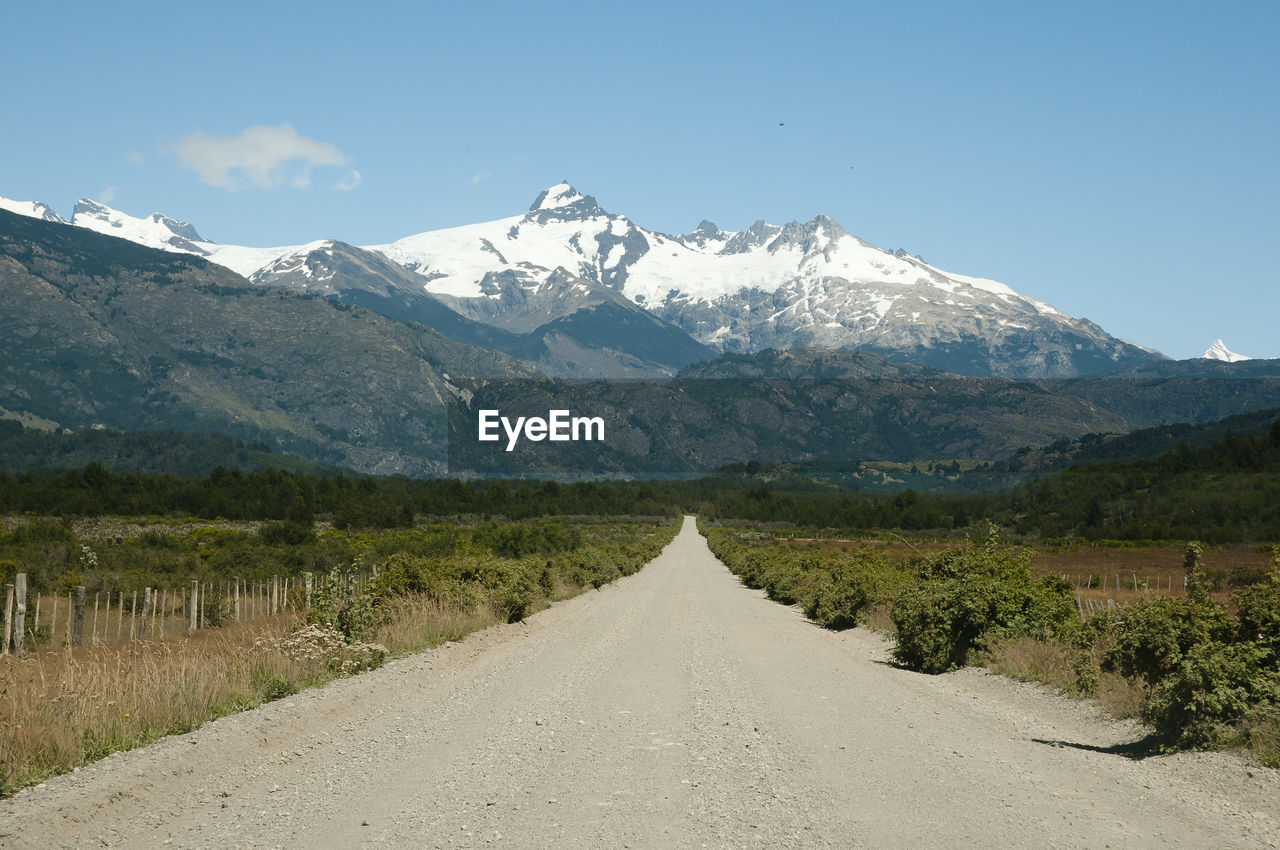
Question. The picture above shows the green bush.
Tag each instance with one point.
(287, 533)
(336, 603)
(967, 599)
(834, 589)
(1213, 686)
(843, 591)
(517, 539)
(1258, 616)
(1206, 672)
(1151, 638)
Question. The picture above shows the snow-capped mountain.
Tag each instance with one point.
(1219, 351)
(769, 286)
(31, 209)
(169, 234)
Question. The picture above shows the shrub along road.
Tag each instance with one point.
(675, 708)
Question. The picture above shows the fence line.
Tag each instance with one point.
(160, 613)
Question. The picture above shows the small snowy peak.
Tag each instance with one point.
(31, 209)
(809, 237)
(305, 258)
(755, 236)
(177, 228)
(553, 197)
(1219, 351)
(562, 202)
(706, 237)
(154, 231)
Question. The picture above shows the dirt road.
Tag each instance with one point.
(673, 709)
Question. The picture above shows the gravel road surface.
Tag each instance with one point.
(675, 708)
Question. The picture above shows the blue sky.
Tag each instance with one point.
(1116, 160)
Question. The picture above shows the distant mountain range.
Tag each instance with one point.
(581, 292)
(359, 357)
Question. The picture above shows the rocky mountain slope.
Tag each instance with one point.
(813, 406)
(102, 331)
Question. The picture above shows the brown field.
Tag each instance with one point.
(1121, 574)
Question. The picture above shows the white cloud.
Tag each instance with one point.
(350, 181)
(137, 158)
(107, 195)
(481, 176)
(261, 157)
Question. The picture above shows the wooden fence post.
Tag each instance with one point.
(146, 605)
(77, 628)
(8, 618)
(308, 585)
(235, 597)
(19, 611)
(275, 594)
(192, 609)
(93, 637)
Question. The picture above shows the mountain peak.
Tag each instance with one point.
(562, 202)
(31, 209)
(1219, 351)
(87, 206)
(557, 197)
(155, 231)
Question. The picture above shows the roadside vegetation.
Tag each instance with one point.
(1201, 670)
(374, 594)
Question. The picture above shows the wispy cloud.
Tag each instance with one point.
(107, 195)
(481, 176)
(349, 181)
(261, 157)
(137, 158)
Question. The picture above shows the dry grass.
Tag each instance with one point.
(418, 623)
(63, 708)
(877, 618)
(1263, 738)
(1032, 660)
(1120, 696)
